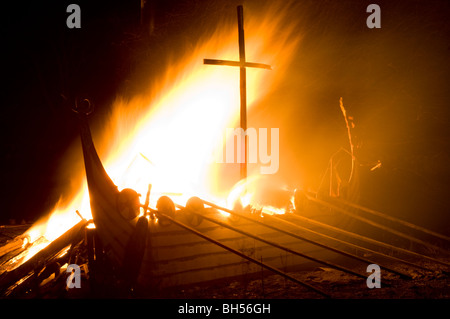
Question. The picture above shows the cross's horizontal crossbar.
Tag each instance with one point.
(237, 63)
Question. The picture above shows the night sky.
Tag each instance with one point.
(394, 81)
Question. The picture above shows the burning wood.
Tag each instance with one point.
(14, 278)
(15, 244)
(25, 253)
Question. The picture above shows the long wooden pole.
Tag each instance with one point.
(378, 225)
(357, 247)
(243, 89)
(396, 220)
(401, 274)
(294, 252)
(370, 240)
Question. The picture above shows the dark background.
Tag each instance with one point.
(394, 81)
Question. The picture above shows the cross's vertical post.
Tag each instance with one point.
(243, 65)
(243, 88)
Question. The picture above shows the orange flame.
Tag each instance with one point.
(173, 142)
(263, 195)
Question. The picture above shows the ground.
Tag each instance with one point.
(337, 284)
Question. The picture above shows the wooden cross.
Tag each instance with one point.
(242, 64)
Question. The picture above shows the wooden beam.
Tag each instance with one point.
(302, 238)
(237, 64)
(42, 258)
(243, 88)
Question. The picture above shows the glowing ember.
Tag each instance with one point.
(262, 195)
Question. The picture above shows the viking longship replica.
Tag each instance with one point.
(130, 246)
(176, 245)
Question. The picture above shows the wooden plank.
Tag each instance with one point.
(38, 261)
(237, 64)
(177, 257)
(248, 258)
